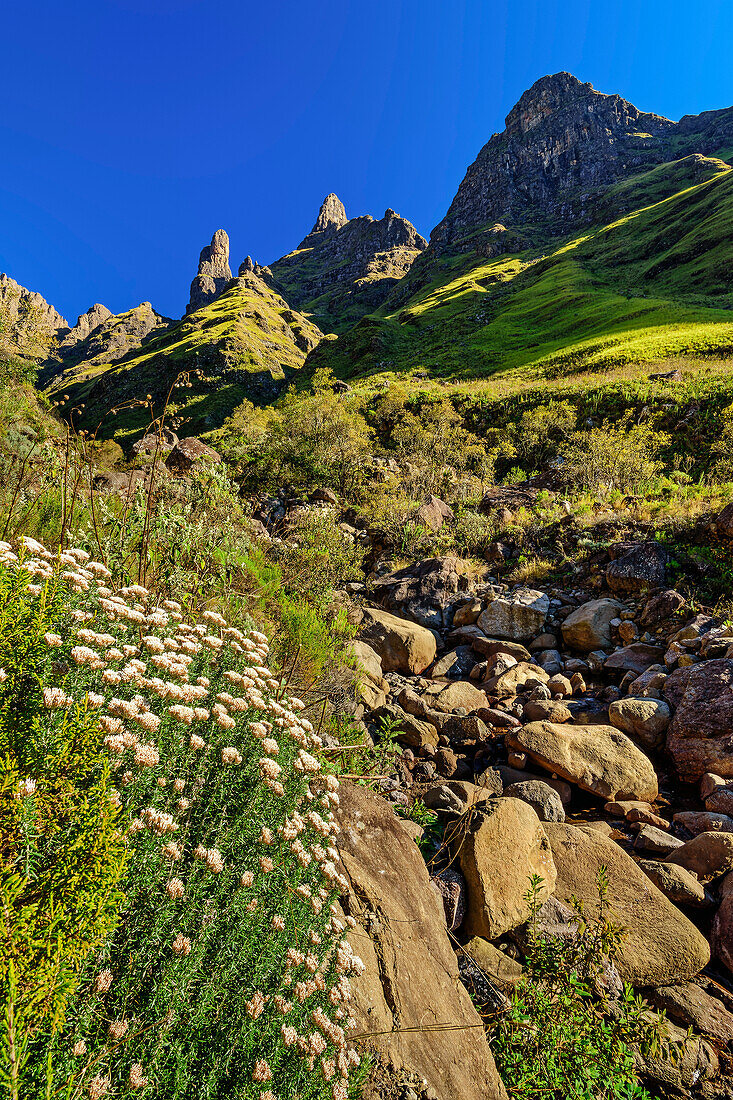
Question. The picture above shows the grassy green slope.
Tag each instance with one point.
(242, 345)
(654, 283)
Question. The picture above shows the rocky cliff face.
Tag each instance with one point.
(27, 321)
(563, 144)
(214, 272)
(345, 268)
(86, 323)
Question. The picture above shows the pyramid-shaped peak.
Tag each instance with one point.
(332, 214)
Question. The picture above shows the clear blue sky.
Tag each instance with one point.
(131, 129)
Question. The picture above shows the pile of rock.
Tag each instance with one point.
(564, 731)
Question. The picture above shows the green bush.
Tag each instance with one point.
(563, 1036)
(61, 854)
(227, 972)
(612, 458)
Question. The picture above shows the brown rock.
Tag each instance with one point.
(433, 513)
(661, 945)
(187, 453)
(708, 855)
(389, 881)
(643, 719)
(634, 658)
(546, 710)
(599, 759)
(724, 523)
(676, 883)
(518, 617)
(403, 646)
(461, 694)
(503, 970)
(688, 1005)
(503, 846)
(638, 569)
(589, 626)
(514, 680)
(700, 737)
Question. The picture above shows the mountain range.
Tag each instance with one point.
(587, 234)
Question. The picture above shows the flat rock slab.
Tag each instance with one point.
(410, 989)
(599, 759)
(661, 946)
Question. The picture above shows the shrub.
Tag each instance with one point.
(318, 556)
(613, 457)
(228, 970)
(61, 855)
(563, 1035)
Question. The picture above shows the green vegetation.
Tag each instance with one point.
(241, 345)
(651, 285)
(563, 1036)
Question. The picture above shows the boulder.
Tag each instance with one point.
(458, 795)
(589, 626)
(488, 647)
(401, 933)
(688, 1005)
(724, 523)
(721, 936)
(412, 731)
(700, 736)
(187, 453)
(644, 719)
(661, 946)
(656, 841)
(676, 883)
(703, 821)
(638, 568)
(403, 646)
(514, 680)
(425, 592)
(599, 759)
(681, 1070)
(454, 665)
(451, 886)
(503, 846)
(545, 801)
(708, 855)
(466, 614)
(460, 694)
(502, 969)
(720, 801)
(636, 657)
(518, 617)
(433, 513)
(546, 710)
(372, 688)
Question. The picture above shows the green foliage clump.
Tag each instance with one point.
(62, 856)
(563, 1036)
(618, 457)
(226, 973)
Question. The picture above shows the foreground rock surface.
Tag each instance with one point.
(662, 946)
(599, 759)
(400, 935)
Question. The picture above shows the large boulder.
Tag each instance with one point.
(661, 945)
(599, 759)
(589, 626)
(724, 523)
(637, 568)
(403, 646)
(708, 855)
(513, 680)
(637, 657)
(544, 800)
(401, 934)
(457, 695)
(700, 736)
(518, 617)
(372, 688)
(504, 845)
(433, 513)
(644, 719)
(425, 592)
(409, 730)
(187, 453)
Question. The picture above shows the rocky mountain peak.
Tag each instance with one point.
(332, 214)
(563, 143)
(27, 321)
(213, 274)
(86, 323)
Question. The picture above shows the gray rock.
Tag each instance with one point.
(545, 801)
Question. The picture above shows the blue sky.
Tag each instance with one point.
(131, 129)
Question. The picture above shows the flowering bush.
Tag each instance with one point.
(227, 974)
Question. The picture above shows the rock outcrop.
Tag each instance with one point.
(345, 268)
(564, 144)
(29, 322)
(214, 272)
(86, 323)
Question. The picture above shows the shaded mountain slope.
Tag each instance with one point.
(244, 344)
(652, 283)
(346, 268)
